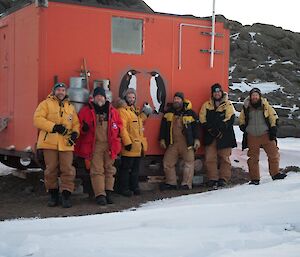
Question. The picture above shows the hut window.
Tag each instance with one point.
(127, 35)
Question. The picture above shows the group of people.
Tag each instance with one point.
(101, 131)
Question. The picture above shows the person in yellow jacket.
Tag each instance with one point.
(134, 144)
(258, 120)
(217, 118)
(58, 126)
(180, 136)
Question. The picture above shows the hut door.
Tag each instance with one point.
(4, 71)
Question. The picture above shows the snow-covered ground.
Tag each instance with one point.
(243, 221)
(265, 87)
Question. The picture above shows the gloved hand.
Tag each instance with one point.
(196, 144)
(222, 126)
(85, 126)
(243, 128)
(147, 109)
(162, 144)
(61, 129)
(272, 133)
(128, 147)
(72, 138)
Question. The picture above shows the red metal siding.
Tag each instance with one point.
(57, 38)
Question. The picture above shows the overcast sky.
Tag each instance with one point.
(285, 14)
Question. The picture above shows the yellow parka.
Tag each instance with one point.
(270, 114)
(49, 113)
(133, 131)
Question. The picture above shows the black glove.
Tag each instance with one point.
(85, 127)
(222, 126)
(272, 133)
(243, 128)
(128, 147)
(72, 138)
(61, 129)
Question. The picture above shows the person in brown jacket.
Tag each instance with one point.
(58, 123)
(217, 118)
(258, 120)
(179, 135)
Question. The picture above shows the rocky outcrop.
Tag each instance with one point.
(265, 53)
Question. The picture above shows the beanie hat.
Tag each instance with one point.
(59, 85)
(130, 91)
(99, 91)
(180, 95)
(216, 88)
(255, 90)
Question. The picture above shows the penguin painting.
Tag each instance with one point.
(128, 81)
(157, 91)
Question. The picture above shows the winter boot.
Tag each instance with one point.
(101, 200)
(65, 199)
(254, 182)
(126, 193)
(137, 191)
(109, 197)
(165, 186)
(222, 182)
(212, 184)
(54, 198)
(184, 187)
(279, 176)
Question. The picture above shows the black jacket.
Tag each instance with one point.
(190, 122)
(218, 123)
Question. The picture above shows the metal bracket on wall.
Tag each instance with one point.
(3, 123)
(209, 51)
(210, 34)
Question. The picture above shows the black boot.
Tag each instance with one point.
(54, 198)
(109, 197)
(279, 176)
(101, 200)
(254, 182)
(184, 187)
(165, 186)
(65, 199)
(126, 193)
(137, 191)
(222, 182)
(212, 184)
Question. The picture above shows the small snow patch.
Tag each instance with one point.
(235, 36)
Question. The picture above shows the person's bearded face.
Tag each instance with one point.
(100, 100)
(254, 98)
(177, 103)
(217, 95)
(60, 93)
(130, 99)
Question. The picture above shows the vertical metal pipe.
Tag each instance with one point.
(213, 25)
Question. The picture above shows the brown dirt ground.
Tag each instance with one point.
(26, 198)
